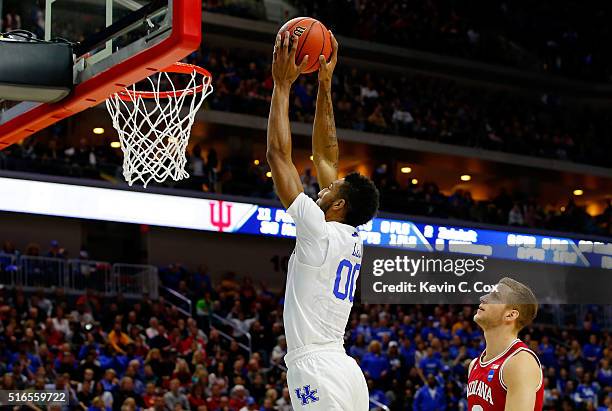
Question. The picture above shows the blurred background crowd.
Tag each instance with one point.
(121, 354)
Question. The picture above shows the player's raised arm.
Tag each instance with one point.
(324, 140)
(284, 72)
(523, 376)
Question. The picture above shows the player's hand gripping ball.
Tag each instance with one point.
(313, 40)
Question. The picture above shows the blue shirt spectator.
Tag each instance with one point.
(592, 351)
(586, 392)
(604, 375)
(364, 328)
(547, 353)
(379, 332)
(374, 363)
(429, 397)
(407, 352)
(358, 349)
(431, 363)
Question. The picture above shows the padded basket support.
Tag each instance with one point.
(34, 71)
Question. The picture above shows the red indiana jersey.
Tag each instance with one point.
(486, 388)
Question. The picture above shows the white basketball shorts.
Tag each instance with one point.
(326, 379)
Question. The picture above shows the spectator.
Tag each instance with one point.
(125, 392)
(309, 182)
(430, 397)
(515, 217)
(375, 364)
(430, 364)
(284, 402)
(238, 397)
(97, 404)
(279, 351)
(118, 339)
(174, 397)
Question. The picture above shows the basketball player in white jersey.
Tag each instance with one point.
(325, 264)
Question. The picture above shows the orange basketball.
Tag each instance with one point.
(314, 40)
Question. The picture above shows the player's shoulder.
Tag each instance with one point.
(344, 232)
(305, 211)
(522, 367)
(523, 357)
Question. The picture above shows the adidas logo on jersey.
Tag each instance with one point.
(480, 389)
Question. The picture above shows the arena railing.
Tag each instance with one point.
(76, 276)
(177, 300)
(7, 260)
(96, 275)
(184, 306)
(9, 271)
(43, 272)
(228, 337)
(136, 279)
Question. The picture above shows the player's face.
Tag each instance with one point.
(328, 195)
(493, 307)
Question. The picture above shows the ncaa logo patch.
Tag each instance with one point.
(305, 395)
(492, 372)
(490, 376)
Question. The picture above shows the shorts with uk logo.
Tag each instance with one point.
(326, 379)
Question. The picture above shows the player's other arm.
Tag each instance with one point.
(522, 375)
(324, 140)
(284, 72)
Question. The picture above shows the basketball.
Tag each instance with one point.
(314, 40)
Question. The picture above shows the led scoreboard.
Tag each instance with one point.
(137, 207)
(419, 236)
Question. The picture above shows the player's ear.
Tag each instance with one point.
(339, 203)
(512, 315)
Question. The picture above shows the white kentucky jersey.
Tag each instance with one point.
(322, 277)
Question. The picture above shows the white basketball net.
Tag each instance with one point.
(154, 132)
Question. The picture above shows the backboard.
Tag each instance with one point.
(117, 43)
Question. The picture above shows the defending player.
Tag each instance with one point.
(325, 264)
(507, 376)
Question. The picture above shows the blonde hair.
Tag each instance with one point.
(374, 345)
(154, 351)
(523, 300)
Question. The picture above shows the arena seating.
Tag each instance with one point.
(422, 106)
(107, 350)
(543, 37)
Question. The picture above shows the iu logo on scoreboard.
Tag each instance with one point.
(221, 216)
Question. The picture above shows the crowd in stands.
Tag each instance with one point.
(566, 38)
(503, 209)
(420, 106)
(111, 353)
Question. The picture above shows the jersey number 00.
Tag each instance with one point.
(349, 271)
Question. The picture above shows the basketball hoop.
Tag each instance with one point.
(154, 126)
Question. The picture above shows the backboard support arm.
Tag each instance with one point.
(110, 75)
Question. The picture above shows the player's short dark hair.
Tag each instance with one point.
(362, 198)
